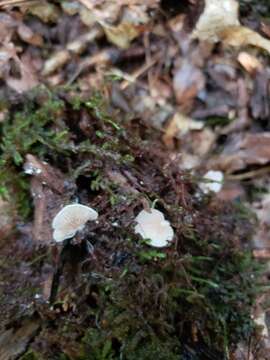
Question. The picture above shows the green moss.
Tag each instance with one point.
(30, 355)
(141, 346)
(144, 315)
(217, 121)
(35, 129)
(98, 106)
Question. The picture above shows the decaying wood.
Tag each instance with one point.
(48, 192)
(14, 342)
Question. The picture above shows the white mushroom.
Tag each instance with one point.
(71, 219)
(212, 181)
(153, 226)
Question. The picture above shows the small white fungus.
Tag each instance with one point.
(29, 169)
(153, 226)
(212, 181)
(71, 219)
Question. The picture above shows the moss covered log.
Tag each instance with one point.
(122, 299)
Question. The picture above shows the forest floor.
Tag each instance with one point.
(123, 106)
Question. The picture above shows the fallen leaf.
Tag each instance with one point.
(231, 191)
(195, 146)
(260, 95)
(70, 7)
(108, 12)
(239, 36)
(122, 34)
(28, 79)
(261, 254)
(249, 62)
(242, 151)
(45, 11)
(135, 14)
(7, 27)
(219, 22)
(202, 141)
(217, 16)
(27, 35)
(56, 61)
(187, 82)
(265, 28)
(179, 125)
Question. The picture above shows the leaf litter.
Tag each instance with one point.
(199, 105)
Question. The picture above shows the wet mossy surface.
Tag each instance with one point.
(124, 299)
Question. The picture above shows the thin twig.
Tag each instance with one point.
(7, 3)
(137, 73)
(87, 3)
(249, 174)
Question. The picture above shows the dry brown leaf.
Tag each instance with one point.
(261, 254)
(265, 28)
(219, 22)
(70, 7)
(7, 52)
(45, 11)
(195, 147)
(202, 141)
(187, 82)
(28, 79)
(57, 60)
(27, 35)
(87, 17)
(243, 151)
(249, 62)
(79, 44)
(217, 16)
(107, 12)
(122, 34)
(89, 4)
(179, 125)
(135, 14)
(231, 191)
(239, 36)
(7, 27)
(259, 103)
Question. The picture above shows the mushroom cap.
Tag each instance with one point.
(152, 225)
(215, 179)
(71, 219)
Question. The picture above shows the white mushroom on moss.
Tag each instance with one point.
(70, 219)
(152, 225)
(212, 181)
